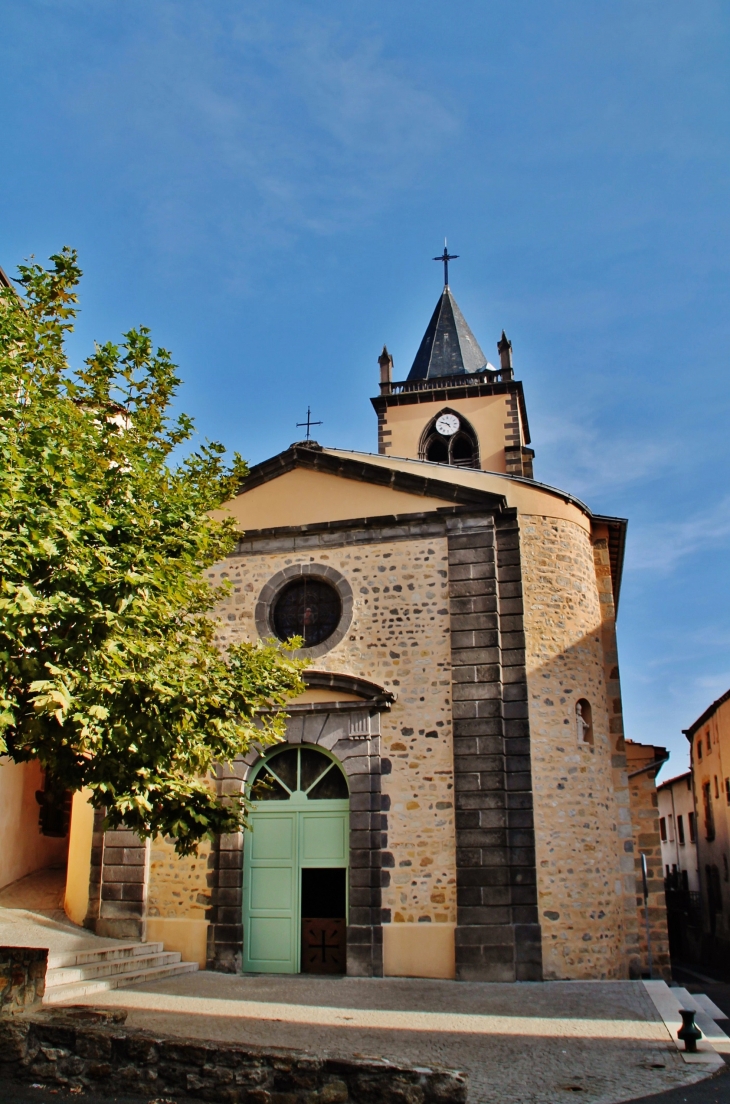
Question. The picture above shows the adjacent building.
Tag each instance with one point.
(709, 739)
(678, 833)
(643, 763)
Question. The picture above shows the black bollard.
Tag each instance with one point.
(689, 1031)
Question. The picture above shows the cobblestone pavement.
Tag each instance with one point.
(532, 1043)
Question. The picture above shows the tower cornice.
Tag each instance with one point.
(449, 388)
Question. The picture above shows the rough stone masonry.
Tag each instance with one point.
(85, 1048)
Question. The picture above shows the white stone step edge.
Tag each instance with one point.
(73, 991)
(62, 975)
(668, 1006)
(710, 1007)
(124, 951)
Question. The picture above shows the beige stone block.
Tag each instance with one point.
(419, 950)
(188, 937)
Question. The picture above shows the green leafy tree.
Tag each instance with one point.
(110, 673)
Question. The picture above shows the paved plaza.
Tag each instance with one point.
(531, 1043)
(528, 1043)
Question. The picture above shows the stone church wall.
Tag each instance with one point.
(582, 830)
(178, 896)
(178, 884)
(399, 638)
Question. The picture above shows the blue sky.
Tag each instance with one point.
(264, 185)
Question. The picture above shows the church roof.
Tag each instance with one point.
(442, 483)
(449, 348)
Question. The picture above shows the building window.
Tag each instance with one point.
(709, 741)
(725, 867)
(691, 826)
(680, 829)
(584, 721)
(312, 601)
(709, 815)
(717, 788)
(727, 790)
(304, 769)
(663, 829)
(449, 439)
(714, 890)
(309, 608)
(699, 747)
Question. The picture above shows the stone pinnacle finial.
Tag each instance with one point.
(385, 361)
(504, 348)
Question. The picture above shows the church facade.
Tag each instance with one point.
(452, 799)
(460, 621)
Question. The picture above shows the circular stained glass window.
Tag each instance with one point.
(310, 608)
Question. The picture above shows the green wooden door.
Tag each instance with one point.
(299, 819)
(270, 893)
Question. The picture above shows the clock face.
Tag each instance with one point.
(447, 425)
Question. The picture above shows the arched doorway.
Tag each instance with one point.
(295, 864)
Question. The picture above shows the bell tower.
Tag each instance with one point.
(455, 407)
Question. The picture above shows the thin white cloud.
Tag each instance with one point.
(717, 684)
(252, 130)
(661, 547)
(591, 464)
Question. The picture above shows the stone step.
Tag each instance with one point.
(105, 967)
(79, 990)
(95, 954)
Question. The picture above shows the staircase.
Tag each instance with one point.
(76, 975)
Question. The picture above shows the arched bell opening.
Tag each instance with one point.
(450, 439)
(437, 451)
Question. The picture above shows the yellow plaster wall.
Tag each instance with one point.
(399, 638)
(177, 898)
(488, 416)
(24, 848)
(581, 829)
(188, 937)
(78, 870)
(304, 497)
(317, 694)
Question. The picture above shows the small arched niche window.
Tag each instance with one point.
(584, 721)
(450, 439)
(302, 773)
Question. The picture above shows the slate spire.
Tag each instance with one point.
(449, 348)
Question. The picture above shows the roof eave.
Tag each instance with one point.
(616, 550)
(314, 458)
(689, 732)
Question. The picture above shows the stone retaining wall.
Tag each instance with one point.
(83, 1049)
(22, 978)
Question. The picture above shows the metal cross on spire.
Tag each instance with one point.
(309, 423)
(445, 258)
